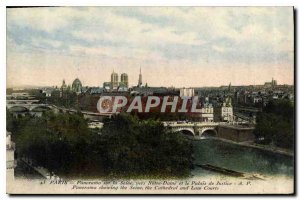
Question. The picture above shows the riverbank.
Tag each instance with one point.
(277, 150)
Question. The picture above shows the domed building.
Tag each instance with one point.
(77, 86)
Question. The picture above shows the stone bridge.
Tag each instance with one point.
(26, 105)
(194, 128)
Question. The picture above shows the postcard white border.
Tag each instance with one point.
(3, 5)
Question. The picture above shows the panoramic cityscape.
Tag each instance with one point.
(129, 94)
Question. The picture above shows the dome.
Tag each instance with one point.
(76, 82)
(76, 85)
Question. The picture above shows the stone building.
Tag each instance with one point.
(124, 80)
(114, 79)
(224, 113)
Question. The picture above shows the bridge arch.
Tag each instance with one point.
(40, 108)
(186, 131)
(209, 132)
(18, 109)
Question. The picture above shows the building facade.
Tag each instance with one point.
(187, 92)
(224, 113)
(207, 113)
(124, 80)
(114, 79)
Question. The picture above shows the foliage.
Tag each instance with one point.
(276, 124)
(127, 146)
(66, 98)
(144, 147)
(57, 142)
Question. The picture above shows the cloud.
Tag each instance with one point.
(44, 19)
(196, 36)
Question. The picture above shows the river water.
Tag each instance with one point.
(277, 171)
(240, 158)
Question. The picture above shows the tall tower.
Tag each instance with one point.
(124, 79)
(140, 79)
(114, 80)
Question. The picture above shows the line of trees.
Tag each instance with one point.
(275, 124)
(127, 146)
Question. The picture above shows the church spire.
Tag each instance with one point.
(140, 78)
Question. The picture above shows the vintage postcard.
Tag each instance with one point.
(150, 100)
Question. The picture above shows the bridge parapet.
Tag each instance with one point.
(196, 128)
(16, 101)
(174, 123)
(28, 107)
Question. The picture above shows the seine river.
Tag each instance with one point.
(227, 155)
(240, 158)
(276, 170)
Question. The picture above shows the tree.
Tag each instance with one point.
(128, 146)
(275, 124)
(132, 146)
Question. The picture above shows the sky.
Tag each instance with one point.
(173, 46)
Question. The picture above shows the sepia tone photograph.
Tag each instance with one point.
(150, 100)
